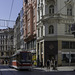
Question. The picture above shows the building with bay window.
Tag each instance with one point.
(54, 37)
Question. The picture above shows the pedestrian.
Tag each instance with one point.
(41, 64)
(51, 63)
(55, 65)
(48, 64)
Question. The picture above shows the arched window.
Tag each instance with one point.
(69, 10)
(51, 9)
(51, 29)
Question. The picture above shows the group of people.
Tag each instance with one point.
(52, 63)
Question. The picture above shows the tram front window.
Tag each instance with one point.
(25, 57)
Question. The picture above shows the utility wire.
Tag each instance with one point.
(11, 9)
(63, 7)
(10, 13)
(7, 20)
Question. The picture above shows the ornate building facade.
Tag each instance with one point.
(17, 34)
(6, 45)
(54, 37)
(30, 18)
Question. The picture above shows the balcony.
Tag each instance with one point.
(57, 16)
(28, 38)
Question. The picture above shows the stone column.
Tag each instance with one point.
(59, 53)
(43, 55)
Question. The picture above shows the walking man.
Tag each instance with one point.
(48, 64)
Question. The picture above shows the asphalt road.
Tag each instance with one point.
(5, 70)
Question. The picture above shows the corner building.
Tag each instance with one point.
(54, 37)
(30, 18)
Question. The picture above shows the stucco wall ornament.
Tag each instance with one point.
(51, 46)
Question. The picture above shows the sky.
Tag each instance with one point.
(5, 7)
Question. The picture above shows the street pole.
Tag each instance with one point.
(69, 58)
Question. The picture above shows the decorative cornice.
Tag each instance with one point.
(48, 2)
(57, 18)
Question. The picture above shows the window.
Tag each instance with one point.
(72, 58)
(38, 32)
(68, 29)
(34, 12)
(34, 43)
(38, 1)
(38, 14)
(68, 58)
(69, 10)
(28, 16)
(65, 58)
(34, 25)
(42, 31)
(28, 26)
(2, 53)
(51, 29)
(51, 9)
(68, 45)
(65, 45)
(72, 45)
(25, 1)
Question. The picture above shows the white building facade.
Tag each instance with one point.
(54, 37)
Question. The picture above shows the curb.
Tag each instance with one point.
(58, 69)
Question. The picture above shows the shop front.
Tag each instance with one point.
(68, 58)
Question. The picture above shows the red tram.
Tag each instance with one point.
(21, 60)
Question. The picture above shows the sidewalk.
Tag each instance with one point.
(66, 68)
(63, 68)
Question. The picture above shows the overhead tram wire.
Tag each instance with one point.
(63, 7)
(14, 21)
(6, 20)
(10, 12)
(11, 9)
